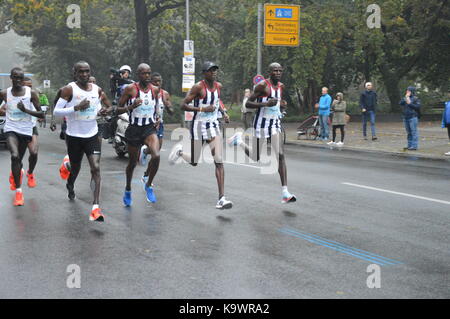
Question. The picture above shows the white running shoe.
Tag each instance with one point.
(236, 139)
(331, 143)
(447, 154)
(143, 156)
(175, 154)
(224, 203)
(340, 144)
(288, 198)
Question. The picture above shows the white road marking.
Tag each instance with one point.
(257, 167)
(398, 193)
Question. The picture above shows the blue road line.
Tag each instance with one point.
(392, 261)
(361, 254)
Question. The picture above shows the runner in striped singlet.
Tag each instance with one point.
(205, 127)
(267, 99)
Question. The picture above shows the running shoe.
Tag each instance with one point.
(175, 154)
(127, 201)
(340, 144)
(143, 156)
(236, 139)
(12, 184)
(18, 200)
(224, 203)
(31, 180)
(71, 192)
(64, 170)
(288, 198)
(331, 143)
(151, 198)
(96, 215)
(447, 154)
(144, 181)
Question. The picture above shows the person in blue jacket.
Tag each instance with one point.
(446, 120)
(411, 109)
(324, 107)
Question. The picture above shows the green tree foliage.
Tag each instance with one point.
(337, 48)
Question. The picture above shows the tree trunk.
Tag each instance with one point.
(142, 22)
(301, 101)
(391, 81)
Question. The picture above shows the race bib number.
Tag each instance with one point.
(273, 111)
(145, 110)
(210, 116)
(17, 115)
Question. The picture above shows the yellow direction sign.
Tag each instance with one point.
(282, 25)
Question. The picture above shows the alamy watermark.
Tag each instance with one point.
(74, 278)
(374, 19)
(374, 279)
(74, 19)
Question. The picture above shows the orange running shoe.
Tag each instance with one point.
(96, 215)
(12, 184)
(18, 201)
(64, 171)
(31, 180)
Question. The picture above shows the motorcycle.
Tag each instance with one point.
(119, 141)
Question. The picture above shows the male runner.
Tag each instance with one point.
(205, 127)
(80, 103)
(267, 99)
(33, 146)
(164, 101)
(22, 104)
(140, 100)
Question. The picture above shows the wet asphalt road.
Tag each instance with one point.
(182, 247)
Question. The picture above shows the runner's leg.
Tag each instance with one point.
(17, 150)
(153, 148)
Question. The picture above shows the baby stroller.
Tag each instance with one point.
(309, 128)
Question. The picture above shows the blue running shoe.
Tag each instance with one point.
(127, 199)
(150, 195)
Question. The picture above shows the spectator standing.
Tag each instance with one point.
(368, 104)
(411, 108)
(324, 107)
(339, 107)
(44, 106)
(446, 120)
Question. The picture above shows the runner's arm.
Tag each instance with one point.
(61, 110)
(168, 103)
(2, 99)
(194, 92)
(127, 94)
(260, 91)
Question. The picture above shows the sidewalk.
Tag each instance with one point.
(433, 143)
(433, 140)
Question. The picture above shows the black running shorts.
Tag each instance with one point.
(78, 146)
(136, 135)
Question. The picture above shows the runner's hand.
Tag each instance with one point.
(157, 122)
(271, 102)
(83, 105)
(136, 103)
(21, 106)
(103, 111)
(209, 109)
(53, 126)
(226, 117)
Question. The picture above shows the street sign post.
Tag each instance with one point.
(281, 25)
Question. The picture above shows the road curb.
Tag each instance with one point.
(362, 150)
